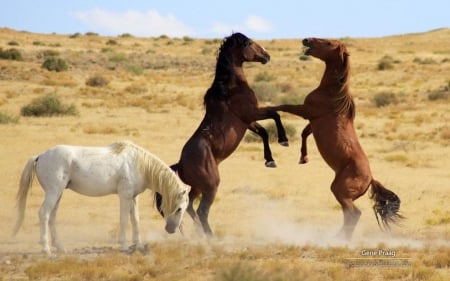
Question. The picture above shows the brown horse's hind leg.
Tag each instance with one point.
(203, 209)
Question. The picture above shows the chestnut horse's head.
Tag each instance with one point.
(243, 49)
(325, 49)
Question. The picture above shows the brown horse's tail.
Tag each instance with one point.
(387, 205)
(26, 181)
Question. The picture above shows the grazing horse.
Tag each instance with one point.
(231, 108)
(121, 168)
(330, 110)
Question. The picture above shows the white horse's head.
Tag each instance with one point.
(179, 203)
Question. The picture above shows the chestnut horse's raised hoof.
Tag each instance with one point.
(330, 110)
(231, 108)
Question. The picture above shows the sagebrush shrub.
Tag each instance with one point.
(55, 64)
(11, 54)
(49, 105)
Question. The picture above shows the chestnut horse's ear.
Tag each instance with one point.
(343, 53)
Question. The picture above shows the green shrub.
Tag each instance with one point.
(55, 64)
(75, 35)
(97, 81)
(49, 105)
(6, 118)
(90, 33)
(384, 99)
(11, 54)
(126, 35)
(13, 43)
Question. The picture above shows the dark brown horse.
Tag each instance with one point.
(231, 108)
(330, 110)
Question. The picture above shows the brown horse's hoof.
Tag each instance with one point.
(271, 164)
(303, 160)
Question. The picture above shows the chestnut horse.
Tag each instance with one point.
(330, 110)
(231, 108)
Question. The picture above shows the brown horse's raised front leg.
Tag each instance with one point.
(261, 131)
(304, 150)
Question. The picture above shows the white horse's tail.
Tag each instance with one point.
(26, 181)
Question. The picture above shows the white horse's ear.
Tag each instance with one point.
(188, 188)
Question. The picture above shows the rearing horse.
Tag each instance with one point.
(231, 108)
(330, 110)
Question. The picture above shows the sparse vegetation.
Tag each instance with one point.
(287, 217)
(49, 105)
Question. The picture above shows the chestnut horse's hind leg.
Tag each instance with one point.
(304, 150)
(347, 187)
(259, 130)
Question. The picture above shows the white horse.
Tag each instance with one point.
(123, 168)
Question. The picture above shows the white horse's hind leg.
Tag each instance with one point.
(134, 215)
(52, 223)
(46, 209)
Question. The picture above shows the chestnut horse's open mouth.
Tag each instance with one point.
(307, 46)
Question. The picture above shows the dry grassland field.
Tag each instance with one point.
(269, 224)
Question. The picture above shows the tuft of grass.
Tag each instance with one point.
(55, 64)
(49, 105)
(6, 118)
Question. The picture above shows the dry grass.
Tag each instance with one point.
(271, 224)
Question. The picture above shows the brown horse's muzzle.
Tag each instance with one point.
(265, 58)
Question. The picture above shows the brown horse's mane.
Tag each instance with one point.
(219, 90)
(344, 103)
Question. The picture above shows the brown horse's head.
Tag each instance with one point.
(243, 49)
(326, 50)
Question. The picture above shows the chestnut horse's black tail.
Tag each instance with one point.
(387, 205)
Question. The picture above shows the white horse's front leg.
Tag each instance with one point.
(125, 207)
(134, 215)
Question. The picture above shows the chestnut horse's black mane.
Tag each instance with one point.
(219, 89)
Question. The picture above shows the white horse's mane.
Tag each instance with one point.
(160, 178)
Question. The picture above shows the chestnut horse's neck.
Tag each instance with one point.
(335, 81)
